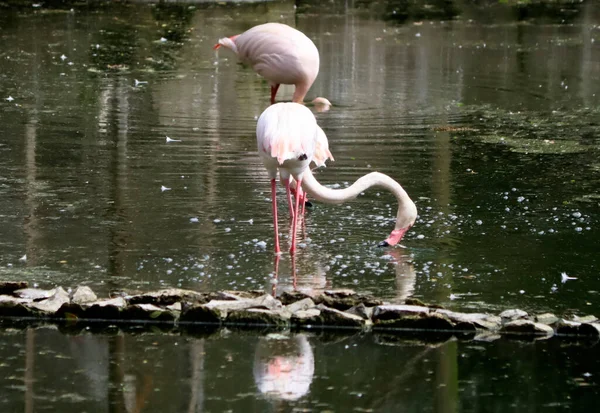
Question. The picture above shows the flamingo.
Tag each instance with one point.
(288, 139)
(280, 54)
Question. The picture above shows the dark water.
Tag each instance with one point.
(488, 115)
(45, 370)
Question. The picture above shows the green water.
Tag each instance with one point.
(488, 115)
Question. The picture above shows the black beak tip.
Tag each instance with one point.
(383, 244)
(308, 204)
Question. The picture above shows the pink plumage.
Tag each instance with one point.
(288, 139)
(280, 54)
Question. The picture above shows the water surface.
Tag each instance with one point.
(487, 115)
(43, 369)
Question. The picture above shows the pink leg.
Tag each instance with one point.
(303, 202)
(288, 192)
(274, 201)
(275, 276)
(274, 92)
(294, 277)
(295, 222)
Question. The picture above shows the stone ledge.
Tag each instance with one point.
(333, 309)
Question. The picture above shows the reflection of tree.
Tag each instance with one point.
(173, 20)
(196, 403)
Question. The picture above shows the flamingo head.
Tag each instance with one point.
(321, 104)
(395, 237)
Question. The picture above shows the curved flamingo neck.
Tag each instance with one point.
(407, 210)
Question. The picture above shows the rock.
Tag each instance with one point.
(526, 327)
(336, 318)
(268, 301)
(510, 315)
(301, 305)
(417, 302)
(417, 320)
(323, 316)
(34, 293)
(147, 312)
(414, 301)
(395, 311)
(345, 299)
(546, 318)
(265, 301)
(201, 314)
(471, 321)
(13, 307)
(8, 287)
(109, 309)
(567, 328)
(362, 311)
(257, 316)
(289, 297)
(53, 303)
(175, 307)
(340, 293)
(590, 330)
(586, 319)
(82, 295)
(306, 317)
(169, 296)
(235, 295)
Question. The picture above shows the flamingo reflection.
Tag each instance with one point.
(284, 366)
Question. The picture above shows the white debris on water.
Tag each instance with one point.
(564, 277)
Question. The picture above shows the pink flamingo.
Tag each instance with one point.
(288, 139)
(280, 54)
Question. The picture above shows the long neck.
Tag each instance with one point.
(300, 92)
(407, 211)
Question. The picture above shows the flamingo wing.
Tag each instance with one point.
(287, 131)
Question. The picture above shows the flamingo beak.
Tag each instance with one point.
(394, 237)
